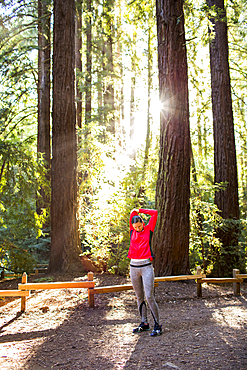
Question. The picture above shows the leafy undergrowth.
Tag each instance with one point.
(60, 331)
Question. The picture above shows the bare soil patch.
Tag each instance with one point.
(60, 331)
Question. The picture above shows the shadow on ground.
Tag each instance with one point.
(198, 334)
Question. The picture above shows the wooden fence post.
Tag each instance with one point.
(236, 286)
(90, 295)
(23, 299)
(199, 285)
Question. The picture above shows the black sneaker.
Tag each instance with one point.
(157, 330)
(144, 326)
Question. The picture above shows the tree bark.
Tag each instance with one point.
(224, 140)
(149, 83)
(78, 63)
(44, 63)
(132, 94)
(64, 230)
(119, 89)
(88, 82)
(243, 157)
(171, 238)
(225, 163)
(109, 106)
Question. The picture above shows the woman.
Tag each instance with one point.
(141, 269)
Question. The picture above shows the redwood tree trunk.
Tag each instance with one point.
(78, 63)
(132, 95)
(225, 164)
(44, 63)
(149, 83)
(88, 82)
(171, 238)
(109, 106)
(64, 239)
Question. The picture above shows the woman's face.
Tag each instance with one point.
(138, 226)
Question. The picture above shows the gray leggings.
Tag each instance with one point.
(142, 279)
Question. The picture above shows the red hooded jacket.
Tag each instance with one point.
(140, 242)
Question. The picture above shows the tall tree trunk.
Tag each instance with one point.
(44, 63)
(142, 188)
(132, 95)
(243, 156)
(108, 8)
(86, 141)
(78, 68)
(120, 127)
(88, 82)
(148, 135)
(64, 228)
(78, 63)
(225, 164)
(171, 238)
(199, 216)
(199, 126)
(99, 66)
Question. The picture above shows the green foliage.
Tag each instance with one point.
(206, 249)
(203, 219)
(224, 260)
(15, 258)
(21, 178)
(106, 235)
(22, 172)
(105, 219)
(48, 279)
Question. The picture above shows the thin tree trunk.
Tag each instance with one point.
(78, 64)
(120, 129)
(243, 157)
(148, 135)
(199, 129)
(88, 82)
(64, 227)
(78, 68)
(171, 238)
(199, 216)
(132, 94)
(44, 138)
(99, 64)
(108, 67)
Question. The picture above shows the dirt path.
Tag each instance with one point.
(60, 331)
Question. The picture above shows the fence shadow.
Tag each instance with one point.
(11, 321)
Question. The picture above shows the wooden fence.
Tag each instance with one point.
(235, 280)
(24, 287)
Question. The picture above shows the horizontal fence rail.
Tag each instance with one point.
(14, 293)
(24, 287)
(220, 280)
(57, 285)
(178, 277)
(241, 276)
(114, 288)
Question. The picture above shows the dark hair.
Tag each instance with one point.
(136, 219)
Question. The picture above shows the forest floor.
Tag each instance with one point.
(60, 331)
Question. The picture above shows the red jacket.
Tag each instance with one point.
(140, 242)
